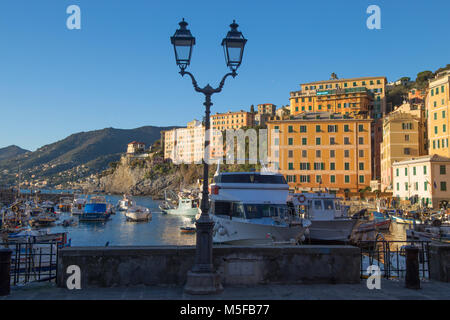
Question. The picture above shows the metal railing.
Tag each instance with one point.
(390, 257)
(32, 262)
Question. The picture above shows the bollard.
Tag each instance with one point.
(5, 265)
(412, 280)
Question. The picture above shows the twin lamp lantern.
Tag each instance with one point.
(233, 46)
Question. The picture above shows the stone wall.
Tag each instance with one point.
(440, 262)
(128, 266)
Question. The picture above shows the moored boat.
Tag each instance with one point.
(138, 213)
(329, 220)
(95, 210)
(249, 208)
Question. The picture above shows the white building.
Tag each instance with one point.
(423, 179)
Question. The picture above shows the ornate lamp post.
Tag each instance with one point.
(202, 279)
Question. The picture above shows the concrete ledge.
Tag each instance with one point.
(168, 265)
(440, 262)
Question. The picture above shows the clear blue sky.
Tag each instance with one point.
(119, 70)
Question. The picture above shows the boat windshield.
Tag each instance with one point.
(258, 211)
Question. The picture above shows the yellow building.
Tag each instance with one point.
(403, 138)
(232, 120)
(438, 105)
(315, 151)
(365, 95)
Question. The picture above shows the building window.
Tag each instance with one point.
(303, 128)
(406, 172)
(332, 166)
(406, 186)
(332, 179)
(424, 169)
(346, 140)
(318, 153)
(361, 140)
(347, 179)
(442, 169)
(414, 171)
(290, 153)
(347, 165)
(425, 186)
(361, 153)
(396, 171)
(398, 186)
(406, 151)
(304, 141)
(291, 166)
(361, 166)
(346, 129)
(332, 141)
(406, 137)
(361, 179)
(332, 153)
(416, 186)
(443, 186)
(346, 153)
(317, 141)
(318, 178)
(290, 128)
(318, 128)
(304, 153)
(361, 128)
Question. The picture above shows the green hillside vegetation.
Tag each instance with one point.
(93, 150)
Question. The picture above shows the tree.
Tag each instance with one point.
(422, 78)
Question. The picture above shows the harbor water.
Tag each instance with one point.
(162, 229)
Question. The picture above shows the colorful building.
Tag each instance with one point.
(403, 138)
(232, 120)
(267, 108)
(185, 145)
(352, 96)
(319, 151)
(437, 106)
(424, 180)
(135, 147)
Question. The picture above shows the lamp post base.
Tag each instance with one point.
(203, 283)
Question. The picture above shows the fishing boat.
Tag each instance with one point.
(65, 204)
(95, 210)
(187, 230)
(43, 220)
(329, 220)
(250, 208)
(186, 207)
(78, 204)
(404, 220)
(138, 213)
(124, 203)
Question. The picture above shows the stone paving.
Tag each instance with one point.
(390, 290)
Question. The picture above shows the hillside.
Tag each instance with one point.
(76, 156)
(11, 152)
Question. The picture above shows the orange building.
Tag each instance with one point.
(342, 91)
(322, 150)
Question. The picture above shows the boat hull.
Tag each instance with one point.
(405, 220)
(239, 232)
(183, 212)
(331, 230)
(138, 216)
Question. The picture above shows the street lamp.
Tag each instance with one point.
(202, 279)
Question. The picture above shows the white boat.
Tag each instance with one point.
(125, 203)
(249, 208)
(328, 217)
(186, 207)
(403, 220)
(138, 213)
(78, 205)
